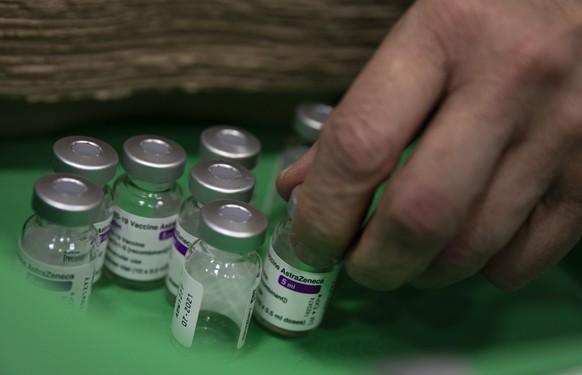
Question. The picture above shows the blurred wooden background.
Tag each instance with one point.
(55, 51)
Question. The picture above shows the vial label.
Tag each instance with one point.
(72, 284)
(186, 310)
(139, 247)
(248, 316)
(292, 299)
(103, 228)
(182, 242)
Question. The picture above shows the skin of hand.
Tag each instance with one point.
(493, 91)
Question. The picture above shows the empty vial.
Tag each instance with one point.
(220, 277)
(209, 180)
(292, 296)
(230, 143)
(59, 244)
(96, 161)
(147, 199)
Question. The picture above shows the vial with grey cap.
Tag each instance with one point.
(58, 245)
(292, 296)
(220, 276)
(209, 180)
(147, 199)
(231, 143)
(96, 161)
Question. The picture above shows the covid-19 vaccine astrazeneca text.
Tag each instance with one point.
(231, 143)
(58, 245)
(220, 277)
(96, 161)
(147, 199)
(209, 180)
(292, 296)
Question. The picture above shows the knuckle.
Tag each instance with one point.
(463, 14)
(358, 146)
(468, 252)
(509, 274)
(535, 57)
(374, 277)
(422, 219)
(458, 10)
(503, 280)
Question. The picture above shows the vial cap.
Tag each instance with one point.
(67, 199)
(88, 157)
(230, 143)
(232, 226)
(220, 179)
(309, 118)
(153, 158)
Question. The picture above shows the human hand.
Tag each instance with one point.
(494, 91)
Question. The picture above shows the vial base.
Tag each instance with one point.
(133, 284)
(278, 330)
(215, 338)
(213, 328)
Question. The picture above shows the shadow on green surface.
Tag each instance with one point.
(467, 318)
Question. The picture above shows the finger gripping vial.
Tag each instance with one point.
(292, 296)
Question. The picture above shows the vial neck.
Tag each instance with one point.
(151, 186)
(224, 254)
(191, 200)
(43, 222)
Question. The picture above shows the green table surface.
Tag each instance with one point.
(470, 328)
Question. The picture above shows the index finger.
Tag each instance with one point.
(362, 140)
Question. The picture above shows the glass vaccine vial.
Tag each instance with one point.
(58, 245)
(292, 296)
(147, 199)
(209, 180)
(96, 161)
(220, 277)
(231, 143)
